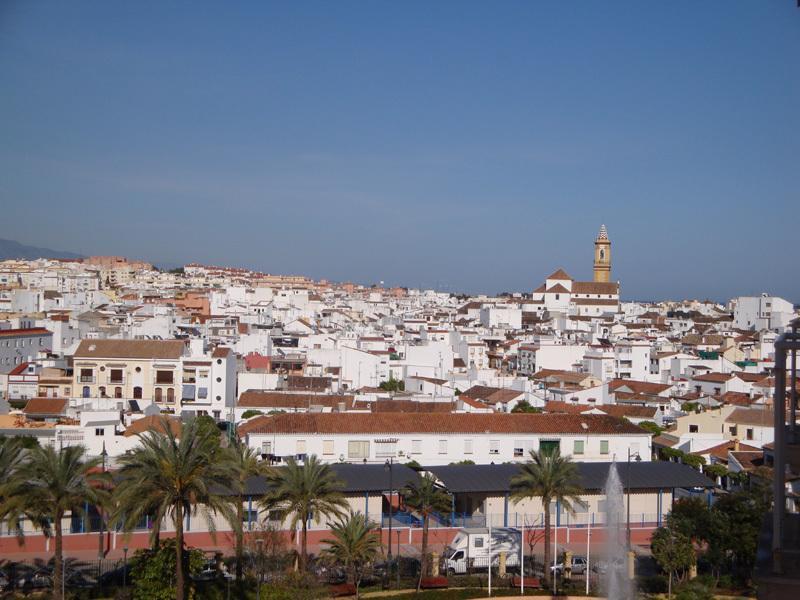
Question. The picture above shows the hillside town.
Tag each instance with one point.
(98, 352)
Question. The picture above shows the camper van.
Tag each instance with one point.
(469, 550)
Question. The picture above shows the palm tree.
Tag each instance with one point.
(306, 491)
(548, 476)
(354, 544)
(246, 465)
(11, 459)
(171, 474)
(49, 484)
(427, 498)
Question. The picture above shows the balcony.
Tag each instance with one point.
(86, 379)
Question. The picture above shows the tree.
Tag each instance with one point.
(246, 465)
(551, 477)
(172, 474)
(523, 406)
(354, 544)
(673, 552)
(652, 427)
(427, 498)
(45, 486)
(251, 413)
(11, 459)
(392, 384)
(154, 570)
(306, 491)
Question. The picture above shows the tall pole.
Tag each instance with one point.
(100, 546)
(522, 558)
(125, 568)
(388, 467)
(398, 557)
(628, 486)
(588, 540)
(490, 555)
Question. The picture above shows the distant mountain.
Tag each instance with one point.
(12, 249)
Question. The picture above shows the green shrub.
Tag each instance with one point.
(655, 584)
(694, 590)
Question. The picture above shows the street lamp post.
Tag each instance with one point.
(124, 568)
(398, 558)
(259, 545)
(388, 467)
(100, 545)
(628, 473)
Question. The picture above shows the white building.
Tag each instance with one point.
(439, 439)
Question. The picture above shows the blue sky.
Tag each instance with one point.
(469, 146)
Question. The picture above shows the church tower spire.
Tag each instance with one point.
(602, 256)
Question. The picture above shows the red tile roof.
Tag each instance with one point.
(277, 400)
(475, 423)
(25, 331)
(46, 406)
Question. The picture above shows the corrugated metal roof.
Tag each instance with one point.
(592, 476)
(356, 479)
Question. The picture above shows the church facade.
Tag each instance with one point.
(560, 293)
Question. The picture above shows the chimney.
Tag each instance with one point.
(735, 444)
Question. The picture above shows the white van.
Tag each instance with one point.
(469, 549)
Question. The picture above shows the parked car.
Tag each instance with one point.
(602, 566)
(35, 580)
(115, 577)
(578, 566)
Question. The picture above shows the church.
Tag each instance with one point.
(562, 294)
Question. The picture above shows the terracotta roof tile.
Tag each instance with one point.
(500, 423)
(46, 406)
(136, 349)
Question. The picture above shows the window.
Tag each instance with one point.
(749, 434)
(467, 446)
(86, 391)
(358, 449)
(327, 447)
(478, 542)
(549, 446)
(164, 377)
(117, 392)
(115, 376)
(577, 447)
(137, 393)
(159, 396)
(102, 390)
(266, 447)
(87, 376)
(603, 446)
(494, 447)
(733, 430)
(300, 447)
(693, 428)
(99, 431)
(416, 446)
(202, 393)
(442, 446)
(385, 448)
(170, 395)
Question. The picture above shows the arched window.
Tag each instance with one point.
(86, 391)
(137, 393)
(117, 392)
(102, 391)
(170, 395)
(159, 394)
(602, 254)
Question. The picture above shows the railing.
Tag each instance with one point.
(86, 379)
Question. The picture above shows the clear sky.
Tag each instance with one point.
(470, 146)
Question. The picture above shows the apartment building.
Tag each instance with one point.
(441, 438)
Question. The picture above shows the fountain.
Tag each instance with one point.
(616, 583)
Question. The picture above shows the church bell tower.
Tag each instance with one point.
(602, 256)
